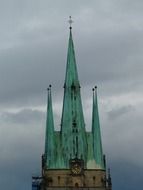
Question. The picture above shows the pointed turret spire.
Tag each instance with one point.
(49, 139)
(72, 124)
(97, 144)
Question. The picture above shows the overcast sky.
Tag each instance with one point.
(108, 38)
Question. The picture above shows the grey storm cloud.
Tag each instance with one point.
(108, 38)
(23, 116)
(119, 112)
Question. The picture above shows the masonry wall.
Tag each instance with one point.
(54, 179)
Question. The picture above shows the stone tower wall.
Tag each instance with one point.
(64, 178)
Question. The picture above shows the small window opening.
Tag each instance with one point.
(76, 185)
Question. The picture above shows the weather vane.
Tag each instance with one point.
(70, 22)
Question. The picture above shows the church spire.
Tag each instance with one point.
(97, 144)
(71, 70)
(49, 139)
(72, 123)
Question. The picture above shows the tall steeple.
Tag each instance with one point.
(97, 144)
(72, 124)
(71, 69)
(49, 139)
(73, 156)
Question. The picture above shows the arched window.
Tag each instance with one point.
(76, 185)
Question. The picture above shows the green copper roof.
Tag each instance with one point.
(91, 164)
(49, 140)
(72, 125)
(59, 162)
(71, 70)
(72, 141)
(97, 144)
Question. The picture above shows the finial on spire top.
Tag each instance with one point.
(70, 22)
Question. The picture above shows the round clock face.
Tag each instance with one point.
(76, 169)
